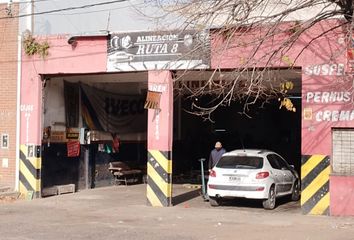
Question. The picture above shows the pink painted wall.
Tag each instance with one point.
(327, 94)
(160, 122)
(342, 195)
(327, 51)
(88, 56)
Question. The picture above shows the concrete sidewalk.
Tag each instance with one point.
(120, 212)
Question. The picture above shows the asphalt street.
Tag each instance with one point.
(121, 212)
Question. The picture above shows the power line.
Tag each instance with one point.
(102, 10)
(28, 1)
(63, 16)
(84, 12)
(66, 9)
(32, 1)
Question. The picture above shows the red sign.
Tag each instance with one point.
(350, 56)
(73, 148)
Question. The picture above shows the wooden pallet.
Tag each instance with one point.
(58, 190)
(69, 188)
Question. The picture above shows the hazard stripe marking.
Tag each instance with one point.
(25, 183)
(164, 201)
(166, 154)
(314, 172)
(152, 198)
(310, 164)
(24, 191)
(160, 182)
(22, 188)
(326, 212)
(35, 161)
(316, 184)
(315, 195)
(29, 177)
(159, 171)
(34, 172)
(163, 174)
(162, 160)
(321, 207)
(30, 173)
(315, 198)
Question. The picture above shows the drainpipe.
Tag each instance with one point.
(18, 112)
(27, 25)
(30, 18)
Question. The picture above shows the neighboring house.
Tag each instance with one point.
(8, 93)
(11, 28)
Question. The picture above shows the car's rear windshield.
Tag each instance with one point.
(240, 162)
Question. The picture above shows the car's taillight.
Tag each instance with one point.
(262, 175)
(212, 173)
(211, 186)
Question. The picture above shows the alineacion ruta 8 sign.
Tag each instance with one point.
(141, 51)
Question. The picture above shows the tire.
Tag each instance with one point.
(214, 202)
(269, 203)
(295, 195)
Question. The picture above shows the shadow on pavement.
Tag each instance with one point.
(184, 197)
(283, 203)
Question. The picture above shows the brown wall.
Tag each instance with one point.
(8, 79)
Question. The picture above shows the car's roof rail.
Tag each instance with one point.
(263, 151)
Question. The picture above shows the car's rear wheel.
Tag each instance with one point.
(295, 195)
(269, 203)
(214, 202)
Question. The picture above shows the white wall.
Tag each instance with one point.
(54, 105)
(136, 15)
(261, 12)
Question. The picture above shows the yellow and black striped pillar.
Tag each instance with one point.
(30, 170)
(315, 170)
(159, 181)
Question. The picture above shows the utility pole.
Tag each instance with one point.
(30, 18)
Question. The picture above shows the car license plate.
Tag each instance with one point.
(234, 179)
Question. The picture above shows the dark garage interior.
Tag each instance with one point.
(265, 126)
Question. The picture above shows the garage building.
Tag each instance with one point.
(317, 136)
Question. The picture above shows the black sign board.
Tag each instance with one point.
(140, 51)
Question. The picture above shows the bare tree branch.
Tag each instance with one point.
(266, 29)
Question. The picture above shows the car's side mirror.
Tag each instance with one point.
(292, 166)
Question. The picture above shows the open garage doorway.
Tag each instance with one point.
(90, 122)
(266, 126)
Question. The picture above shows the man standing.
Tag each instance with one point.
(215, 155)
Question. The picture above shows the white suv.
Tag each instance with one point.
(252, 173)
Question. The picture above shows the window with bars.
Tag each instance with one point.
(343, 151)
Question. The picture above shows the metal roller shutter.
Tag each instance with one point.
(343, 151)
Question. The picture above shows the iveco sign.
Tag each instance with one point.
(158, 50)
